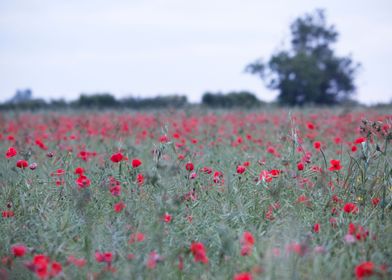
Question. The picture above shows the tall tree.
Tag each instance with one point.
(309, 72)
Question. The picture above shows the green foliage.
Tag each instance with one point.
(230, 100)
(96, 101)
(174, 101)
(310, 72)
(63, 220)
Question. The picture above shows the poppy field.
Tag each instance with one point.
(273, 194)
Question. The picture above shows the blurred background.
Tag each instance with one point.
(141, 49)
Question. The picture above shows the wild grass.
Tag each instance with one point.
(63, 219)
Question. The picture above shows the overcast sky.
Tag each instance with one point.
(149, 47)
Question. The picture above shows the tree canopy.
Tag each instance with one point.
(309, 72)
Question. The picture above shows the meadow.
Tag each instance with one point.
(275, 194)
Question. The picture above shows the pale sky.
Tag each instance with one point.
(150, 47)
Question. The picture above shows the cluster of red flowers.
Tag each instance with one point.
(368, 268)
(247, 242)
(242, 168)
(44, 267)
(106, 257)
(22, 163)
(199, 252)
(114, 187)
(83, 181)
(76, 262)
(129, 179)
(7, 214)
(358, 231)
(268, 176)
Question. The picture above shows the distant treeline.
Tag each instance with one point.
(23, 100)
(231, 100)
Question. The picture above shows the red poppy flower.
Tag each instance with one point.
(79, 170)
(265, 176)
(376, 201)
(118, 207)
(350, 207)
(11, 152)
(243, 276)
(317, 145)
(60, 182)
(59, 172)
(335, 165)
(41, 144)
(310, 126)
(271, 150)
(247, 238)
(22, 163)
(55, 269)
(42, 266)
(136, 163)
(117, 157)
(104, 257)
(364, 269)
(300, 166)
(274, 172)
(360, 140)
(189, 166)
(247, 241)
(167, 218)
(83, 182)
(218, 178)
(7, 214)
(199, 252)
(140, 179)
(18, 250)
(241, 169)
(206, 169)
(115, 190)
